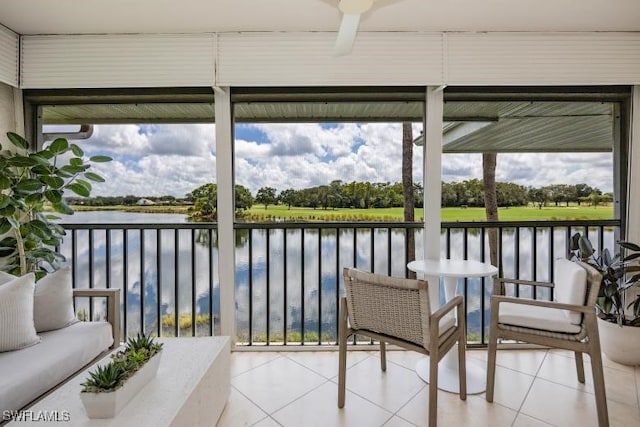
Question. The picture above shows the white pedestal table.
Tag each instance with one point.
(451, 270)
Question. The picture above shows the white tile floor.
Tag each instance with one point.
(533, 388)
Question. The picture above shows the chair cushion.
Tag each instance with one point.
(570, 282)
(16, 313)
(543, 318)
(53, 300)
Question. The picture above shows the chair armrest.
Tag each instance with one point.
(526, 282)
(496, 300)
(113, 307)
(450, 305)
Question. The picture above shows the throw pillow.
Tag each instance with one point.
(53, 302)
(16, 313)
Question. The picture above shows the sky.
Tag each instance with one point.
(157, 160)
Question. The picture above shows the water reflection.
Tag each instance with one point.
(288, 281)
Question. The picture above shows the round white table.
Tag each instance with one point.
(451, 270)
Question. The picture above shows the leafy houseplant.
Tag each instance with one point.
(620, 273)
(109, 387)
(30, 182)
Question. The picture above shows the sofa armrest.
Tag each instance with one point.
(113, 307)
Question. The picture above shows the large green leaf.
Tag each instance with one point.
(17, 140)
(54, 196)
(53, 181)
(77, 151)
(93, 177)
(76, 161)
(100, 159)
(7, 211)
(5, 226)
(33, 199)
(29, 185)
(84, 183)
(62, 208)
(4, 201)
(22, 161)
(5, 182)
(74, 169)
(79, 189)
(59, 145)
(39, 159)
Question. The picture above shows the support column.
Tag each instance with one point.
(633, 195)
(432, 173)
(225, 211)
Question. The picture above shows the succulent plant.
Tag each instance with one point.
(123, 364)
(104, 378)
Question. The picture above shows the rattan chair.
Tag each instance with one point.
(397, 311)
(569, 322)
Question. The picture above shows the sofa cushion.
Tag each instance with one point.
(16, 313)
(28, 373)
(53, 300)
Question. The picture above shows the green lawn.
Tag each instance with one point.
(448, 214)
(259, 213)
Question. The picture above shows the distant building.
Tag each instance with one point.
(145, 202)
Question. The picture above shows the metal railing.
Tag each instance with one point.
(289, 275)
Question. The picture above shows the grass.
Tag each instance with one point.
(520, 213)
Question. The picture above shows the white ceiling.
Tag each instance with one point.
(195, 16)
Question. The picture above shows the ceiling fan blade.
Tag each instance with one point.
(346, 34)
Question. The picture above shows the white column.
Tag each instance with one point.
(633, 195)
(226, 211)
(432, 173)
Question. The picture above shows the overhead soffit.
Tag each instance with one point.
(511, 126)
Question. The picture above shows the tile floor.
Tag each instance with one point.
(534, 388)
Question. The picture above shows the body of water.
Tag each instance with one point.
(287, 280)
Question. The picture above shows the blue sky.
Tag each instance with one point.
(155, 160)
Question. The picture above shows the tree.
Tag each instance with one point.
(489, 161)
(407, 188)
(266, 196)
(206, 200)
(287, 197)
(243, 198)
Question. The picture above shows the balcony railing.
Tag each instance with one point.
(289, 275)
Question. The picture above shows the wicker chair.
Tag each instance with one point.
(397, 311)
(568, 323)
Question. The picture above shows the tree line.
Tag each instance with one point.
(364, 195)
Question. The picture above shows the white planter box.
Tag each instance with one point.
(108, 405)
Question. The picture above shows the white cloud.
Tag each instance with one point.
(175, 159)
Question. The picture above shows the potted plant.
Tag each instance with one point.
(109, 387)
(618, 304)
(32, 183)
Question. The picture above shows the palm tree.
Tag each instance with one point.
(407, 189)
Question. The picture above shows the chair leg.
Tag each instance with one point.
(342, 354)
(433, 388)
(491, 364)
(599, 388)
(579, 366)
(462, 365)
(383, 356)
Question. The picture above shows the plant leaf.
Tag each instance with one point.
(54, 196)
(53, 181)
(17, 140)
(93, 177)
(29, 185)
(59, 145)
(77, 151)
(630, 246)
(79, 189)
(100, 159)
